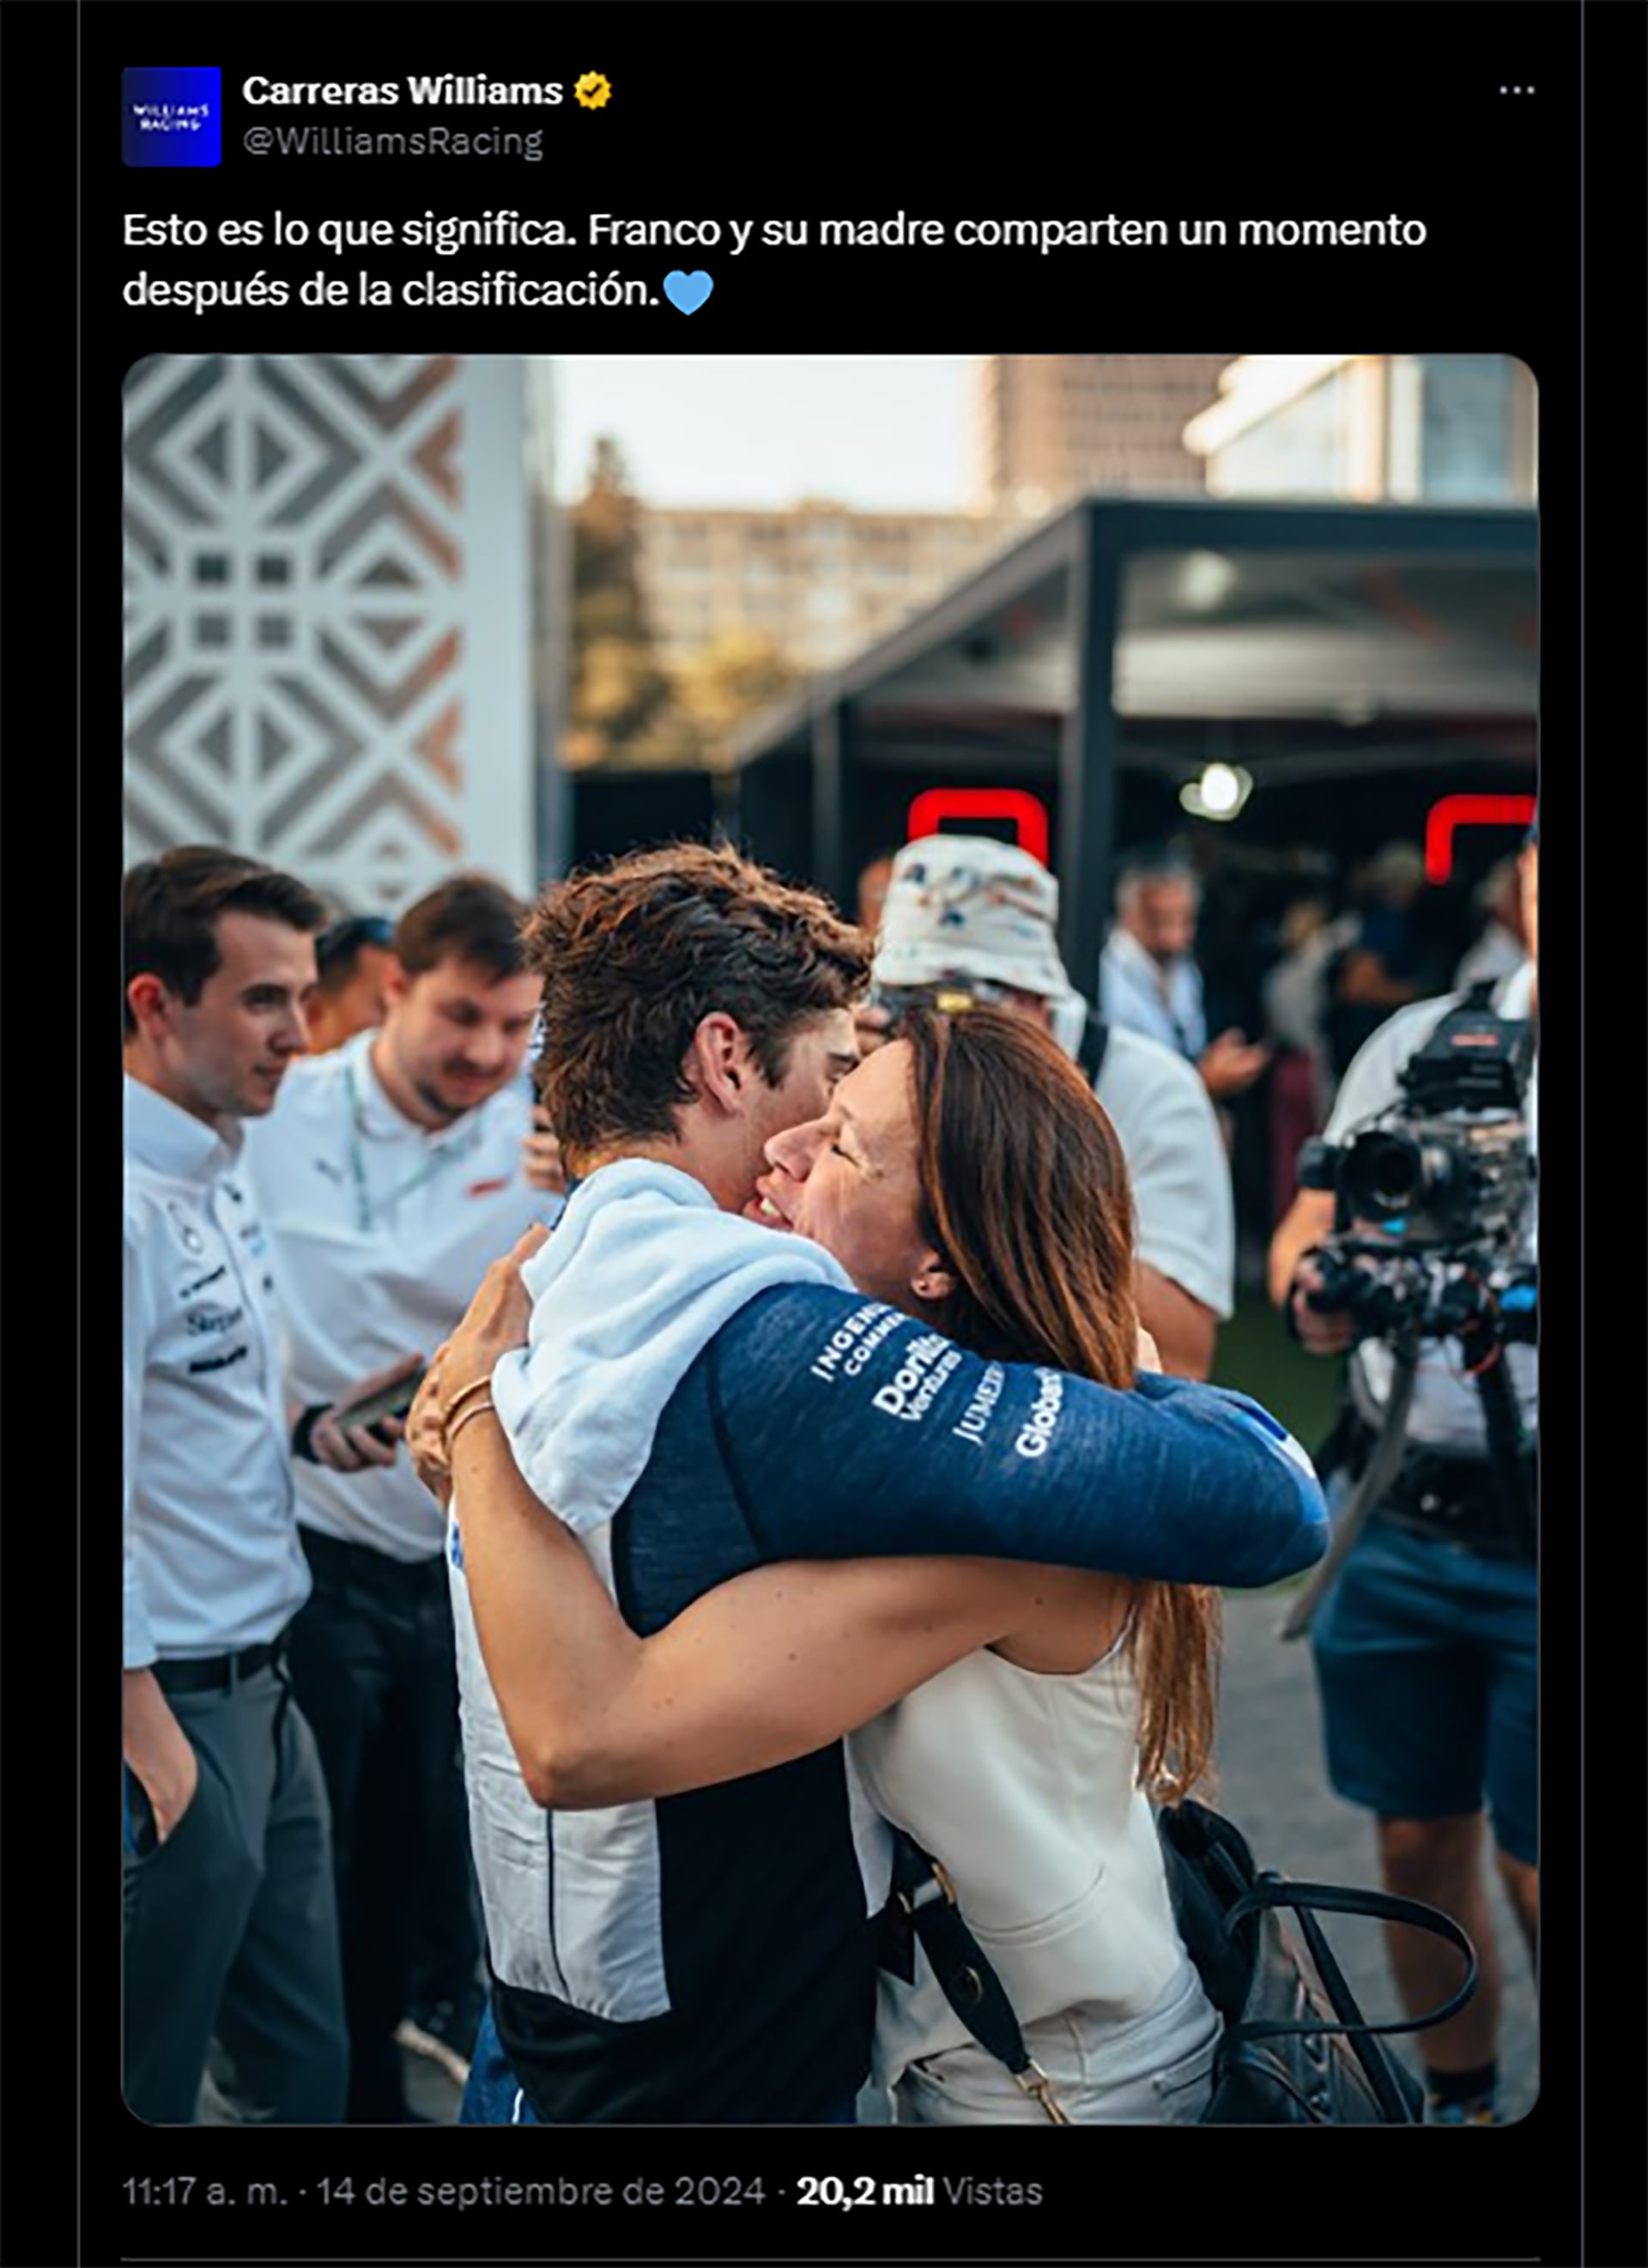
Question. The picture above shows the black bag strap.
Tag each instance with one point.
(1392, 2087)
(924, 1894)
(926, 1897)
(1095, 1041)
(1274, 1892)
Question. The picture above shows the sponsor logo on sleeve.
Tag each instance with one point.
(924, 1368)
(852, 1342)
(974, 1420)
(1035, 1437)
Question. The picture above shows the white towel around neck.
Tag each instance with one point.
(643, 1270)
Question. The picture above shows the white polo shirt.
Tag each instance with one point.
(212, 1560)
(381, 1233)
(1445, 1413)
(1137, 993)
(1184, 1215)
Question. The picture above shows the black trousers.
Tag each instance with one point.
(372, 1663)
(230, 1923)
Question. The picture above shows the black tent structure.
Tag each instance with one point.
(1356, 660)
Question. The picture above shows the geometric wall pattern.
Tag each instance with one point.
(328, 650)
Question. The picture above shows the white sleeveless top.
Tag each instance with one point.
(1023, 1784)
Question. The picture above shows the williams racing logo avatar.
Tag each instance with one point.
(171, 117)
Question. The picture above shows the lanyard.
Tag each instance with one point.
(440, 1156)
(1157, 989)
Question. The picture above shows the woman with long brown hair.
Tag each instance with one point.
(964, 1174)
(1024, 1189)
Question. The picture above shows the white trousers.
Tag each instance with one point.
(1156, 2070)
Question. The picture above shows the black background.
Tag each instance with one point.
(1301, 108)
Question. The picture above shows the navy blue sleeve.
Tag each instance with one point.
(851, 1429)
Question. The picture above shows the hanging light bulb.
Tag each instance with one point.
(1220, 792)
(1221, 789)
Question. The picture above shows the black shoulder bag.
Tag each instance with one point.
(1296, 2049)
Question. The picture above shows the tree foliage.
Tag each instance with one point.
(618, 687)
(626, 706)
(728, 681)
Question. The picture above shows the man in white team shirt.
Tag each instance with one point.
(230, 1922)
(390, 1177)
(966, 907)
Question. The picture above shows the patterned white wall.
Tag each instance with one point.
(327, 648)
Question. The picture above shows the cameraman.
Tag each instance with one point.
(1426, 1647)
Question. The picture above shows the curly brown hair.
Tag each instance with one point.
(635, 955)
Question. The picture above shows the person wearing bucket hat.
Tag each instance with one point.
(968, 918)
(968, 904)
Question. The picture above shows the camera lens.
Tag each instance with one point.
(1383, 1174)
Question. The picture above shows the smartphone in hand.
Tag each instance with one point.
(391, 1400)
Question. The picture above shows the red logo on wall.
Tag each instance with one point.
(929, 814)
(1445, 818)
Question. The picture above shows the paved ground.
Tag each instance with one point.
(1273, 1783)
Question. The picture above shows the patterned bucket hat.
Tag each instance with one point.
(967, 905)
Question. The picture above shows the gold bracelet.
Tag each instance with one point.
(480, 1409)
(464, 1393)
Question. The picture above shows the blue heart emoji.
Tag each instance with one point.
(688, 292)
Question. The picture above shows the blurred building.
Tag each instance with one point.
(1048, 427)
(1443, 429)
(329, 642)
(817, 579)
